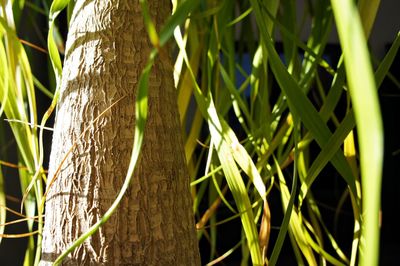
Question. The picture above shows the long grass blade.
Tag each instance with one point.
(368, 118)
(286, 219)
(219, 132)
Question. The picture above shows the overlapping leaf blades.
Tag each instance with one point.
(255, 128)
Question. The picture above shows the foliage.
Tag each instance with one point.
(262, 120)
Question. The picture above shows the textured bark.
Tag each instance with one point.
(107, 48)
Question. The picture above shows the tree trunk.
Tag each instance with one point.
(107, 48)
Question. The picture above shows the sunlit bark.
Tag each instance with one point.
(106, 50)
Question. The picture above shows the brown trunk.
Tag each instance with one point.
(106, 50)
